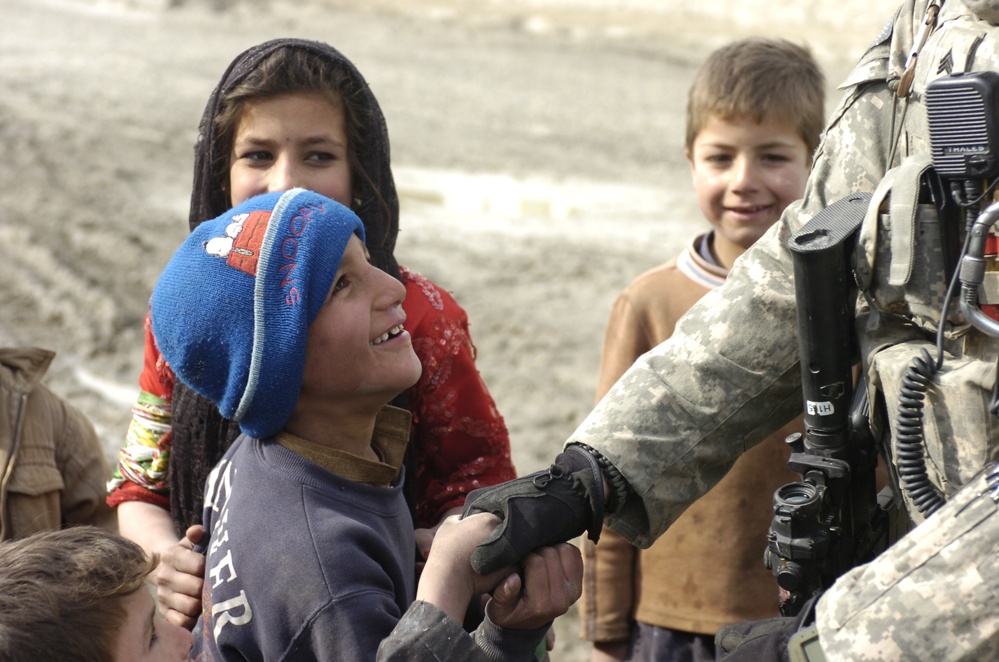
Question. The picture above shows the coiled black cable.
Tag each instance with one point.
(910, 446)
(909, 442)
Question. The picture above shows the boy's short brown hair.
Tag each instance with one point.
(755, 78)
(61, 594)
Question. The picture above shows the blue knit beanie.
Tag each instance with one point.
(232, 309)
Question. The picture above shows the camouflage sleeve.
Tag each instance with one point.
(685, 411)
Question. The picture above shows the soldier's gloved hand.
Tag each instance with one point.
(541, 509)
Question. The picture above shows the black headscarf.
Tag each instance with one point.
(200, 434)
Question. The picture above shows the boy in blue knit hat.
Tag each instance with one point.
(273, 312)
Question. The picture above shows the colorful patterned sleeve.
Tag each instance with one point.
(143, 462)
(461, 441)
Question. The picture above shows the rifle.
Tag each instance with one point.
(831, 520)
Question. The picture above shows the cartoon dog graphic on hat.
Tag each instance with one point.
(240, 245)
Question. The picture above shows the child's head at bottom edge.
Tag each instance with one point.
(81, 594)
(273, 308)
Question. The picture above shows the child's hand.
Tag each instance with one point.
(425, 538)
(552, 581)
(179, 579)
(448, 579)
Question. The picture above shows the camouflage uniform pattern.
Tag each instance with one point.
(945, 574)
(729, 376)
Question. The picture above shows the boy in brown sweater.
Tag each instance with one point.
(754, 116)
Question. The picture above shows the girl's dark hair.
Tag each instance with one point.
(295, 71)
(294, 66)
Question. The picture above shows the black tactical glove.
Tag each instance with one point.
(541, 509)
(752, 641)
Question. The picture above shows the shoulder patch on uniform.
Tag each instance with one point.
(946, 64)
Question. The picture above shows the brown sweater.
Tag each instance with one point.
(707, 569)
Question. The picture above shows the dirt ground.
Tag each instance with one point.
(537, 148)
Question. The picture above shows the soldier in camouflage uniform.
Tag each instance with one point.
(678, 419)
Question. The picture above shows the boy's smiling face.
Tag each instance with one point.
(357, 348)
(288, 141)
(745, 174)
